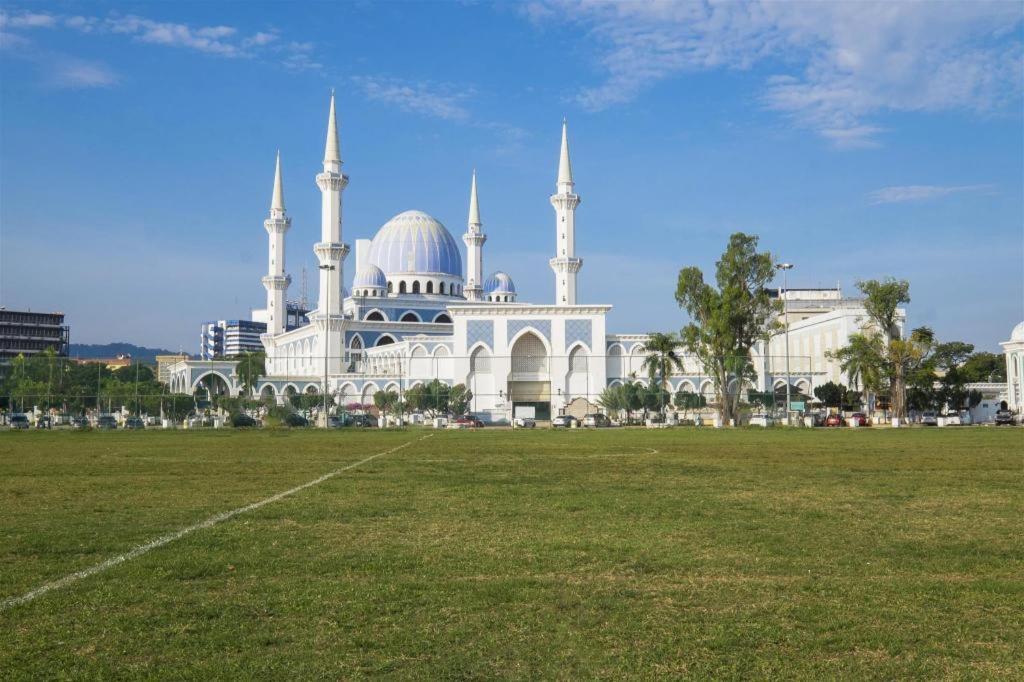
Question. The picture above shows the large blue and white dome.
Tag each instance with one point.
(414, 242)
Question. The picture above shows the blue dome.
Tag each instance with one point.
(414, 242)
(370, 276)
(499, 283)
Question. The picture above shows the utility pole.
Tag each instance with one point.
(327, 340)
(786, 267)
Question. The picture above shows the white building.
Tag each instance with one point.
(412, 316)
(1014, 351)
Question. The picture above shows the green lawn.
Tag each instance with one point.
(620, 553)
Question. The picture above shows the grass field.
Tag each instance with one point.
(621, 553)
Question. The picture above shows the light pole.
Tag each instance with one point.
(327, 336)
(786, 267)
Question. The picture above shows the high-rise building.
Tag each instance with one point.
(23, 332)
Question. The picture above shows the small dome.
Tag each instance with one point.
(499, 283)
(370, 277)
(414, 242)
(1018, 333)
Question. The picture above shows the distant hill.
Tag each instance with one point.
(112, 350)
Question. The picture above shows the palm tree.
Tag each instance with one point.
(863, 361)
(661, 358)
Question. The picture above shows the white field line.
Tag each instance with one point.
(178, 534)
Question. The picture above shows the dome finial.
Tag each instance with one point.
(332, 152)
(277, 201)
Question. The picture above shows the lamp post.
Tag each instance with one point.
(786, 267)
(327, 337)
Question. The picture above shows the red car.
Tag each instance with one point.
(860, 418)
(469, 422)
(834, 420)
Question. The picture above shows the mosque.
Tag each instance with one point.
(416, 312)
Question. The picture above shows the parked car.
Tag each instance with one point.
(525, 422)
(1005, 418)
(860, 419)
(242, 421)
(296, 420)
(564, 421)
(363, 421)
(134, 424)
(18, 421)
(106, 422)
(44, 422)
(336, 422)
(953, 419)
(466, 422)
(834, 419)
(929, 419)
(79, 423)
(595, 420)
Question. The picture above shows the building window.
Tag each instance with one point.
(416, 287)
(401, 287)
(430, 287)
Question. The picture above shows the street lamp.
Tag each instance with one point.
(327, 336)
(786, 267)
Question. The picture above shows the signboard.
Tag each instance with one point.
(797, 405)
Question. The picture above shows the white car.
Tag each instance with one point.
(525, 422)
(929, 419)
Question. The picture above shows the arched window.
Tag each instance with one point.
(374, 316)
(385, 340)
(578, 360)
(443, 319)
(430, 287)
(416, 287)
(409, 317)
(480, 361)
(391, 288)
(401, 287)
(529, 356)
(440, 289)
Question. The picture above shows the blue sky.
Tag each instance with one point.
(137, 143)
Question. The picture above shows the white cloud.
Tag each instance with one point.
(224, 41)
(904, 193)
(840, 62)
(78, 74)
(423, 98)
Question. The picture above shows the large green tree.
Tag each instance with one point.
(984, 366)
(251, 366)
(727, 319)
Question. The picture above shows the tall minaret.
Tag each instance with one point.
(276, 282)
(565, 264)
(474, 239)
(330, 250)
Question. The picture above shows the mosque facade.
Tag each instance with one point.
(419, 310)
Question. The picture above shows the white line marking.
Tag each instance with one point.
(177, 535)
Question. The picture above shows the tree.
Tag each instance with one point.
(686, 401)
(385, 401)
(612, 399)
(460, 399)
(415, 398)
(661, 359)
(830, 394)
(984, 367)
(655, 398)
(251, 366)
(728, 319)
(882, 300)
(633, 398)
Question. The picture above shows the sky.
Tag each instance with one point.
(859, 141)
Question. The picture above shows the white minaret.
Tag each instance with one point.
(474, 239)
(565, 264)
(330, 250)
(276, 282)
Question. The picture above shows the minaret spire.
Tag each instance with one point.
(277, 201)
(565, 182)
(276, 282)
(332, 150)
(565, 264)
(474, 239)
